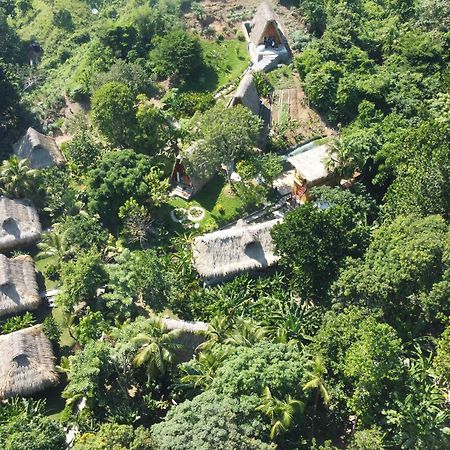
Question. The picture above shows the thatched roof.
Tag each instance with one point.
(228, 252)
(264, 18)
(199, 175)
(39, 149)
(311, 165)
(27, 364)
(18, 287)
(19, 224)
(247, 95)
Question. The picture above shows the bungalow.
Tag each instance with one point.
(267, 43)
(19, 224)
(187, 179)
(39, 149)
(307, 166)
(247, 95)
(226, 253)
(18, 287)
(27, 363)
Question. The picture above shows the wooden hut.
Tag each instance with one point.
(247, 95)
(19, 224)
(18, 286)
(189, 180)
(39, 149)
(226, 253)
(264, 28)
(311, 166)
(27, 363)
(267, 43)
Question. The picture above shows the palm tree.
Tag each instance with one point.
(218, 331)
(294, 321)
(53, 245)
(156, 349)
(16, 177)
(316, 382)
(246, 333)
(200, 372)
(281, 412)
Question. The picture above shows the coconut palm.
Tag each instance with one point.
(156, 349)
(53, 245)
(246, 333)
(16, 177)
(201, 371)
(316, 382)
(281, 412)
(218, 331)
(294, 321)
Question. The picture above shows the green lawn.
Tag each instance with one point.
(41, 265)
(214, 194)
(225, 61)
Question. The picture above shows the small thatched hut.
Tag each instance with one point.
(27, 364)
(265, 27)
(39, 149)
(311, 166)
(226, 253)
(19, 224)
(18, 287)
(247, 95)
(189, 179)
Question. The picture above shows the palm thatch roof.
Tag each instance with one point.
(39, 149)
(247, 95)
(228, 252)
(311, 165)
(190, 170)
(27, 364)
(18, 287)
(19, 224)
(264, 23)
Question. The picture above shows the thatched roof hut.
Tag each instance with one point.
(18, 287)
(265, 25)
(226, 253)
(247, 95)
(311, 165)
(19, 224)
(186, 174)
(27, 364)
(39, 149)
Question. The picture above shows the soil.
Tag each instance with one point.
(294, 101)
(226, 16)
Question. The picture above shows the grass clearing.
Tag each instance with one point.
(225, 61)
(221, 204)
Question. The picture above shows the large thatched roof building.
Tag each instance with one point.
(19, 224)
(39, 149)
(226, 253)
(247, 95)
(27, 363)
(18, 287)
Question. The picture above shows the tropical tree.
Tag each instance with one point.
(282, 413)
(246, 333)
(16, 177)
(199, 373)
(53, 244)
(156, 350)
(316, 382)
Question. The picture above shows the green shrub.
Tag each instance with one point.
(16, 323)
